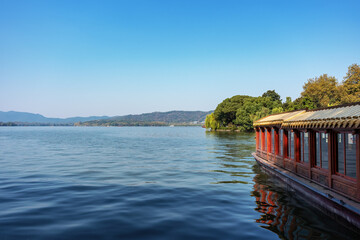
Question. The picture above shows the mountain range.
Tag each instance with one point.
(164, 117)
(25, 117)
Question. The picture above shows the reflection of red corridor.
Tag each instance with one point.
(279, 218)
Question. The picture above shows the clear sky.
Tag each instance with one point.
(80, 58)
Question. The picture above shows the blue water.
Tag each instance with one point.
(145, 183)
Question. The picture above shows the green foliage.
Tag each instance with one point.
(277, 110)
(288, 105)
(272, 94)
(350, 91)
(243, 119)
(240, 111)
(210, 122)
(304, 103)
(321, 91)
(225, 112)
(325, 91)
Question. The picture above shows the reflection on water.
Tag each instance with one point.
(281, 210)
(279, 217)
(233, 150)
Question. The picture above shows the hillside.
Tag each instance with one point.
(24, 117)
(168, 117)
(152, 119)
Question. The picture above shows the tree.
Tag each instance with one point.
(240, 111)
(350, 91)
(225, 112)
(243, 120)
(321, 91)
(272, 94)
(245, 114)
(303, 103)
(210, 122)
(254, 109)
(288, 105)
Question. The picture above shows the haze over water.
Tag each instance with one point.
(145, 183)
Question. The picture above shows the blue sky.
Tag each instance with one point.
(81, 58)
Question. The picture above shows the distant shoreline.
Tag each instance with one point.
(73, 125)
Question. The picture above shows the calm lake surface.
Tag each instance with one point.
(145, 183)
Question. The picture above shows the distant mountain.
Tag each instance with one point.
(151, 119)
(25, 117)
(145, 119)
(168, 117)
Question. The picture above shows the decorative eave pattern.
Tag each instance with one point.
(269, 123)
(339, 117)
(351, 123)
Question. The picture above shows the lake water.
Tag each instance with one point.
(145, 183)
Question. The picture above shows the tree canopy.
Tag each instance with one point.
(210, 122)
(225, 112)
(321, 91)
(351, 85)
(240, 111)
(273, 95)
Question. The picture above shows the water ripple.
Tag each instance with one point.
(145, 183)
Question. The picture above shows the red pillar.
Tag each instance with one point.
(257, 138)
(297, 146)
(268, 149)
(285, 144)
(276, 138)
(296, 149)
(262, 139)
(268, 140)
